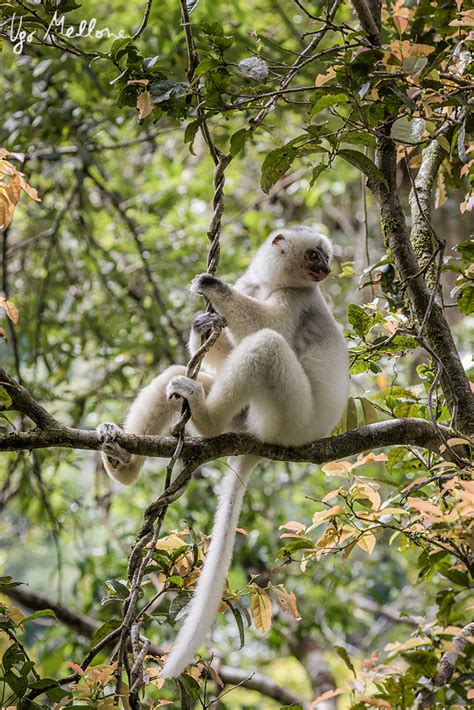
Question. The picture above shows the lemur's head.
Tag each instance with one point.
(294, 257)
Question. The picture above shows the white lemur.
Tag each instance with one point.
(279, 371)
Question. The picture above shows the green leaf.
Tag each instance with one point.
(316, 173)
(104, 631)
(275, 165)
(358, 137)
(345, 657)
(423, 660)
(349, 421)
(408, 130)
(119, 47)
(190, 134)
(118, 587)
(176, 580)
(295, 545)
(38, 614)
(466, 299)
(363, 163)
(6, 400)
(204, 66)
(166, 90)
(239, 621)
(359, 319)
(370, 413)
(12, 655)
(189, 685)
(8, 583)
(322, 102)
(237, 141)
(466, 249)
(178, 604)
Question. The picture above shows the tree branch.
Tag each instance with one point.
(454, 381)
(448, 659)
(196, 450)
(426, 310)
(367, 21)
(87, 626)
(25, 403)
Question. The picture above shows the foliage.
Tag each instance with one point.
(108, 137)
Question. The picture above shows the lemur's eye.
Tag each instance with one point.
(312, 253)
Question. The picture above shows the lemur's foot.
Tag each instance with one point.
(181, 386)
(116, 455)
(207, 321)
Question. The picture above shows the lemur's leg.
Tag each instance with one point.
(152, 412)
(263, 372)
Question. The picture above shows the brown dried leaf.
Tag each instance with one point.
(145, 105)
(10, 309)
(287, 601)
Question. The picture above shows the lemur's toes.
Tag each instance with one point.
(206, 321)
(181, 386)
(116, 455)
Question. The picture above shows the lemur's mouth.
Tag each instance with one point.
(319, 275)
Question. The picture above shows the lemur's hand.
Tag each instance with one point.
(205, 284)
(107, 433)
(206, 321)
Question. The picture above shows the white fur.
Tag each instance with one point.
(205, 602)
(281, 360)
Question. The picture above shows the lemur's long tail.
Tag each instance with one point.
(207, 597)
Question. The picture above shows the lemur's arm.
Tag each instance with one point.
(243, 314)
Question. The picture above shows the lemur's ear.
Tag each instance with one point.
(279, 241)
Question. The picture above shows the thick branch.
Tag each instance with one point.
(454, 381)
(87, 626)
(25, 403)
(368, 21)
(448, 659)
(413, 432)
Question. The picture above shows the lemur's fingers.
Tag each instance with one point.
(116, 455)
(206, 321)
(205, 283)
(181, 386)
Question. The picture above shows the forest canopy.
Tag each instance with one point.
(144, 143)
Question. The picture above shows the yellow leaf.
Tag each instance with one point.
(366, 492)
(324, 515)
(170, 543)
(397, 647)
(10, 309)
(392, 511)
(7, 208)
(424, 506)
(375, 702)
(261, 609)
(337, 468)
(367, 542)
(293, 526)
(322, 79)
(331, 494)
(30, 191)
(441, 195)
(326, 696)
(145, 105)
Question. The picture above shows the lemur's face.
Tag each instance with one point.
(304, 255)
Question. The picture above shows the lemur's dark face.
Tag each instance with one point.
(317, 263)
